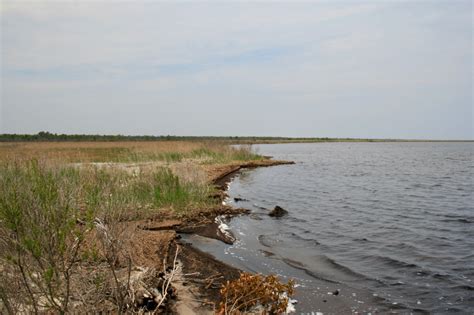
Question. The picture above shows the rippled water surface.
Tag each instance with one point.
(393, 218)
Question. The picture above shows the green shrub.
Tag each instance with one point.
(38, 232)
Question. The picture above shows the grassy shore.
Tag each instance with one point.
(91, 226)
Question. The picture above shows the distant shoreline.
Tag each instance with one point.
(53, 137)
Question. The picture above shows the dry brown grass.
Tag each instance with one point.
(125, 151)
(93, 151)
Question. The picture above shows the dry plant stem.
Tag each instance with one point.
(167, 283)
(67, 271)
(110, 247)
(233, 307)
(6, 301)
(25, 280)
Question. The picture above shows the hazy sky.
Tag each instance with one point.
(381, 69)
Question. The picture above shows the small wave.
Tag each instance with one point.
(421, 311)
(363, 239)
(463, 287)
(343, 269)
(306, 240)
(456, 218)
(392, 262)
(268, 240)
(300, 266)
(362, 174)
(441, 276)
(423, 273)
(465, 221)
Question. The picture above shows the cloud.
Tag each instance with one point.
(331, 66)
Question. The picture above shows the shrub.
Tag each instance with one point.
(252, 291)
(39, 236)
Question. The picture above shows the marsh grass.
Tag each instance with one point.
(49, 206)
(128, 152)
(212, 154)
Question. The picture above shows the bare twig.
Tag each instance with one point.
(167, 282)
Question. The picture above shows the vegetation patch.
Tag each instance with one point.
(70, 237)
(256, 294)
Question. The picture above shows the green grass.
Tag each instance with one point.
(30, 187)
(169, 190)
(207, 154)
(211, 155)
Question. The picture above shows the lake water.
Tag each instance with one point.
(392, 220)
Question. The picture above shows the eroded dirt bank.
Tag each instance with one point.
(199, 276)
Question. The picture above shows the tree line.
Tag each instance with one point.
(48, 136)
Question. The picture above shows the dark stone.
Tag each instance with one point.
(278, 212)
(335, 292)
(237, 199)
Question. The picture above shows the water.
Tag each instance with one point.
(395, 220)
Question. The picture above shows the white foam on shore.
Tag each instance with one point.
(223, 228)
(290, 307)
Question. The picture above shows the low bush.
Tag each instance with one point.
(251, 293)
(39, 237)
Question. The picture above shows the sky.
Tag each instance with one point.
(360, 69)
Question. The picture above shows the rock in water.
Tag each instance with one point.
(278, 212)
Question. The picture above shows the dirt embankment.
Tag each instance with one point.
(201, 276)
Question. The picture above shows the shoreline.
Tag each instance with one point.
(333, 297)
(198, 289)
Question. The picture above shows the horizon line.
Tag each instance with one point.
(45, 135)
